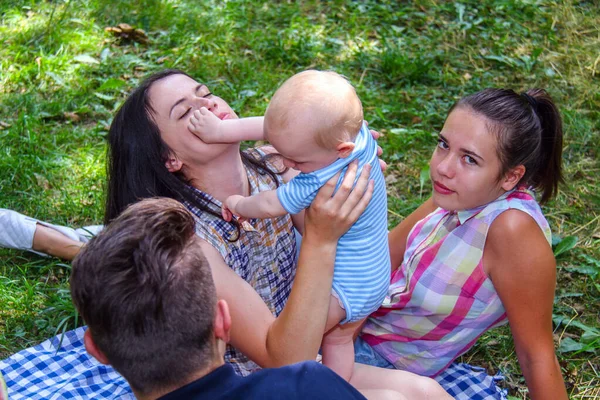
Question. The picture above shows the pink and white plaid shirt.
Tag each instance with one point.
(440, 300)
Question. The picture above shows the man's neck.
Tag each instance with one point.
(191, 378)
(222, 177)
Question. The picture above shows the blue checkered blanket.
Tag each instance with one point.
(60, 368)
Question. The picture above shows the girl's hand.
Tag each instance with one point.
(328, 218)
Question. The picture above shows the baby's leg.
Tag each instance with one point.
(412, 386)
(337, 346)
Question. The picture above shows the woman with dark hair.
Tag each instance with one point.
(484, 256)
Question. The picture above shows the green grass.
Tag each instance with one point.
(62, 77)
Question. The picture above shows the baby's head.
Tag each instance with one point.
(313, 119)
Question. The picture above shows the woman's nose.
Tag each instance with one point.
(209, 103)
(446, 166)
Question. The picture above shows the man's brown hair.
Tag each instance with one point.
(146, 292)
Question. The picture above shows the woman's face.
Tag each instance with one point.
(174, 100)
(465, 167)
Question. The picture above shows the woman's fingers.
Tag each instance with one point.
(345, 187)
(383, 165)
(324, 194)
(375, 134)
(358, 193)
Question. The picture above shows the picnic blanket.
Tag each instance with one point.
(60, 368)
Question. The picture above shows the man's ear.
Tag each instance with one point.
(513, 177)
(344, 149)
(91, 348)
(222, 321)
(173, 164)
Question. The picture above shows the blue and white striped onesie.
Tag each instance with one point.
(362, 263)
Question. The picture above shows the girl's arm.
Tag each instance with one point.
(522, 268)
(399, 235)
(295, 335)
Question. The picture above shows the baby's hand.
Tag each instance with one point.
(206, 126)
(229, 208)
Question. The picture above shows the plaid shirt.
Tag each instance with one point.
(440, 300)
(264, 255)
(60, 368)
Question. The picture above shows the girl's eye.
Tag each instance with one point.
(185, 113)
(442, 144)
(209, 94)
(470, 160)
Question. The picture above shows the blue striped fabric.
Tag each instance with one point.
(362, 263)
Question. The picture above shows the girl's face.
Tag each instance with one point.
(465, 167)
(174, 99)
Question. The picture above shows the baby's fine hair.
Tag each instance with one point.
(529, 132)
(324, 100)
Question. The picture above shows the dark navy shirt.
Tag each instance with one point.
(305, 380)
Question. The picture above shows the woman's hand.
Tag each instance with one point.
(376, 135)
(328, 218)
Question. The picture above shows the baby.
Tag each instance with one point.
(315, 122)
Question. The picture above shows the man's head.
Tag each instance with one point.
(313, 119)
(146, 292)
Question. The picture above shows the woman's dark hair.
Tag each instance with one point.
(136, 159)
(529, 132)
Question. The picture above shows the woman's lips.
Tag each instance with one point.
(438, 187)
(223, 116)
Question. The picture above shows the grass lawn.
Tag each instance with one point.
(63, 75)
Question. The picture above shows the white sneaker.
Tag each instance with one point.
(17, 230)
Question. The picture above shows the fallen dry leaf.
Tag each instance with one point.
(71, 116)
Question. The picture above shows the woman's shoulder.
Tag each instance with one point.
(524, 212)
(515, 231)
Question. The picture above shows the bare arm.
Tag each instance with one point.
(522, 268)
(208, 127)
(262, 205)
(399, 235)
(50, 241)
(287, 175)
(295, 335)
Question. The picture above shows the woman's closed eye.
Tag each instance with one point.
(185, 113)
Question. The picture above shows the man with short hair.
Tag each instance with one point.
(146, 292)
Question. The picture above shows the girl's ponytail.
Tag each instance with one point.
(549, 173)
